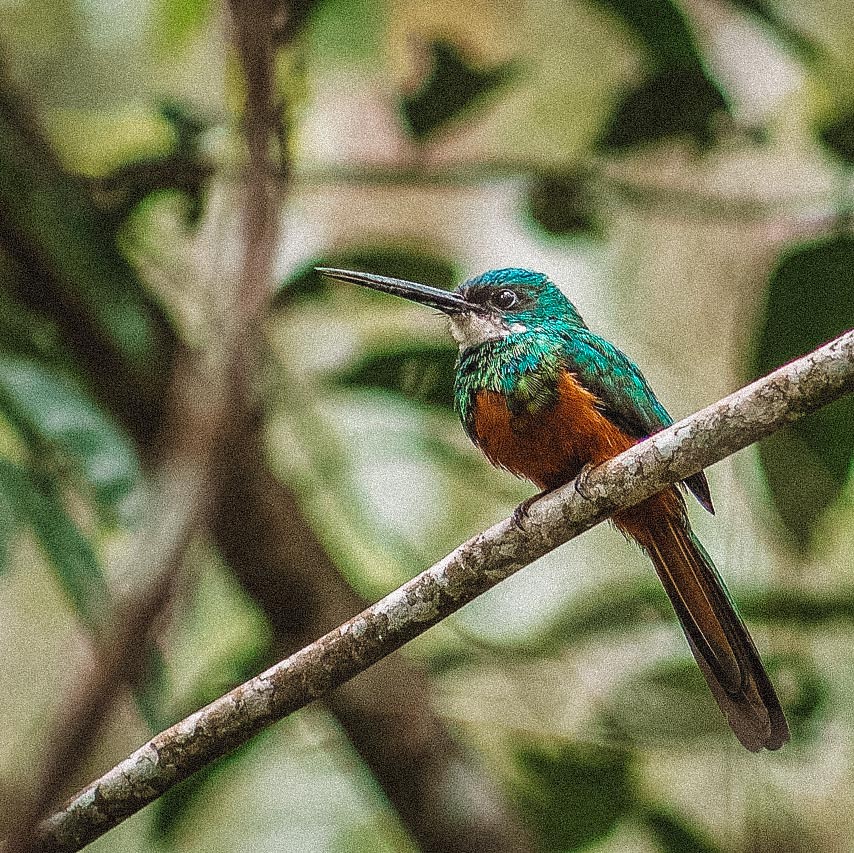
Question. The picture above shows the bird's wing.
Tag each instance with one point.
(624, 395)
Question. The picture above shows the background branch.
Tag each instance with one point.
(256, 522)
(685, 448)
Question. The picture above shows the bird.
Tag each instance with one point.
(547, 399)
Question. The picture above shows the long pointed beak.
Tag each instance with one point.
(444, 300)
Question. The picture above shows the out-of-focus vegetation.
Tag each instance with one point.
(683, 170)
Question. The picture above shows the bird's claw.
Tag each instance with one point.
(520, 514)
(582, 480)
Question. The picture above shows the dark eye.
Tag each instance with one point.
(505, 299)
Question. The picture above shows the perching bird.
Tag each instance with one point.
(544, 397)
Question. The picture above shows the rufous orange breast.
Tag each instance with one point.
(551, 446)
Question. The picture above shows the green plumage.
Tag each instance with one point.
(525, 366)
(520, 338)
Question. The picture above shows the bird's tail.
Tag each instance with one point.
(717, 636)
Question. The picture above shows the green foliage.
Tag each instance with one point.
(22, 331)
(49, 222)
(8, 527)
(422, 373)
(183, 170)
(679, 98)
(57, 417)
(674, 834)
(341, 31)
(558, 203)
(38, 506)
(837, 135)
(661, 30)
(395, 261)
(451, 88)
(573, 795)
(810, 300)
(673, 102)
(152, 689)
(670, 701)
(788, 35)
(299, 14)
(175, 25)
(666, 702)
(806, 693)
(612, 609)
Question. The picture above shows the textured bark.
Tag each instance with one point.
(685, 448)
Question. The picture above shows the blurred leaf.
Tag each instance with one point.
(662, 30)
(152, 690)
(177, 24)
(183, 170)
(559, 204)
(800, 607)
(777, 825)
(45, 213)
(674, 102)
(51, 411)
(423, 373)
(788, 35)
(175, 808)
(297, 14)
(8, 526)
(451, 87)
(680, 98)
(837, 136)
(613, 608)
(68, 551)
(69, 271)
(347, 30)
(670, 701)
(667, 703)
(575, 795)
(804, 692)
(22, 331)
(620, 607)
(382, 260)
(810, 301)
(372, 836)
(674, 834)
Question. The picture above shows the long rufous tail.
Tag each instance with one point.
(717, 636)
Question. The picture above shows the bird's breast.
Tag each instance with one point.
(549, 446)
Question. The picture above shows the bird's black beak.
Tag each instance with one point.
(444, 300)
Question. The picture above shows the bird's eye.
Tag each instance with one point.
(505, 299)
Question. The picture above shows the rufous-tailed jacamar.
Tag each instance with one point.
(545, 398)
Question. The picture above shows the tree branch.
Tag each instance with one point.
(479, 564)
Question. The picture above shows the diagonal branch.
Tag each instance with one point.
(479, 564)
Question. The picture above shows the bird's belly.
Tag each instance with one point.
(551, 446)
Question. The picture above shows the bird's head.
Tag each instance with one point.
(491, 306)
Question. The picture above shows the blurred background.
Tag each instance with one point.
(683, 170)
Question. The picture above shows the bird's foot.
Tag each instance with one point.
(520, 514)
(581, 481)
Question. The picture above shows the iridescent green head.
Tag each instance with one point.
(514, 300)
(493, 306)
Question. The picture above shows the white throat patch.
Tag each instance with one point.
(470, 329)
